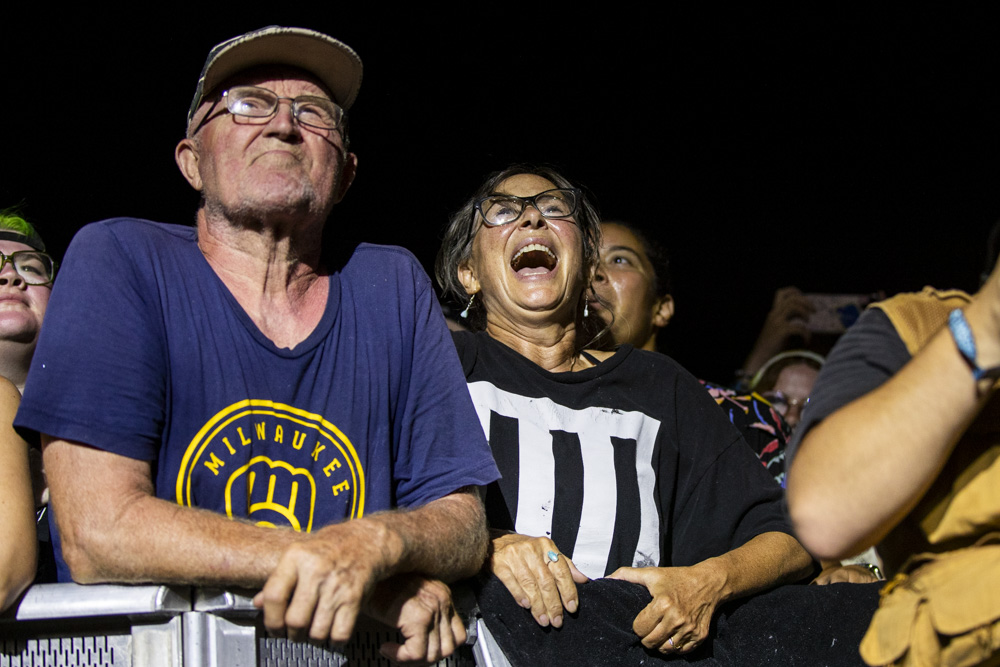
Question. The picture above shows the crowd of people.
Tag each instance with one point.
(224, 404)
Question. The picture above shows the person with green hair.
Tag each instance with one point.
(26, 274)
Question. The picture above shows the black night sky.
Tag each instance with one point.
(836, 151)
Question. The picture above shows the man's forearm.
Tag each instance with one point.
(445, 539)
(863, 468)
(768, 560)
(115, 530)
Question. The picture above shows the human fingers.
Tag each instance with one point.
(450, 626)
(458, 631)
(273, 598)
(663, 634)
(327, 595)
(657, 622)
(415, 650)
(795, 306)
(680, 643)
(786, 292)
(850, 574)
(305, 614)
(448, 635)
(323, 616)
(578, 577)
(566, 574)
(523, 568)
(430, 625)
(635, 575)
(507, 578)
(652, 614)
(345, 614)
(688, 643)
(674, 633)
(671, 621)
(427, 643)
(859, 574)
(546, 603)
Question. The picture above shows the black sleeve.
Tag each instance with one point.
(725, 495)
(866, 356)
(465, 345)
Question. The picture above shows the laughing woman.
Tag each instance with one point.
(615, 465)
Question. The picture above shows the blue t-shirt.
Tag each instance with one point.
(147, 354)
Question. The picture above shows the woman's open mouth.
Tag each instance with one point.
(532, 259)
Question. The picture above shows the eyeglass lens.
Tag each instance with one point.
(254, 102)
(781, 403)
(504, 209)
(35, 268)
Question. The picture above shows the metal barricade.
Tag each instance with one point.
(226, 625)
(72, 625)
(160, 626)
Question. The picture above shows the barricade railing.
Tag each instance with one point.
(161, 626)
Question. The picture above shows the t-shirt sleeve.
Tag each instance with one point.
(725, 495)
(865, 357)
(98, 376)
(443, 447)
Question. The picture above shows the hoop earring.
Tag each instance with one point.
(465, 313)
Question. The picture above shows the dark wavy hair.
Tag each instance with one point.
(456, 246)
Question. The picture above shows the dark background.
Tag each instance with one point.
(835, 151)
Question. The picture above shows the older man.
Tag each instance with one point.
(225, 368)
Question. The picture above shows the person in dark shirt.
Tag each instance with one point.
(614, 464)
(222, 405)
(632, 289)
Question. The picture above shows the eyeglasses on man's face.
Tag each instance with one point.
(260, 103)
(502, 209)
(782, 403)
(33, 266)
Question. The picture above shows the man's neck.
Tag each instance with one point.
(272, 273)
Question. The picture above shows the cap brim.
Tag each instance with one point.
(333, 63)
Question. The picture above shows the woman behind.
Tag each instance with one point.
(633, 297)
(613, 464)
(18, 542)
(786, 380)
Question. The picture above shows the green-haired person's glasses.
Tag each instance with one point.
(34, 267)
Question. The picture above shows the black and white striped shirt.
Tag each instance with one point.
(629, 463)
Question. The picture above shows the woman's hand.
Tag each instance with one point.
(684, 601)
(844, 574)
(537, 582)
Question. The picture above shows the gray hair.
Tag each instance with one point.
(456, 246)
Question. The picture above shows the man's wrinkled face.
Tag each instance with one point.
(22, 306)
(249, 167)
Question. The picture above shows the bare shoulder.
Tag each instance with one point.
(10, 398)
